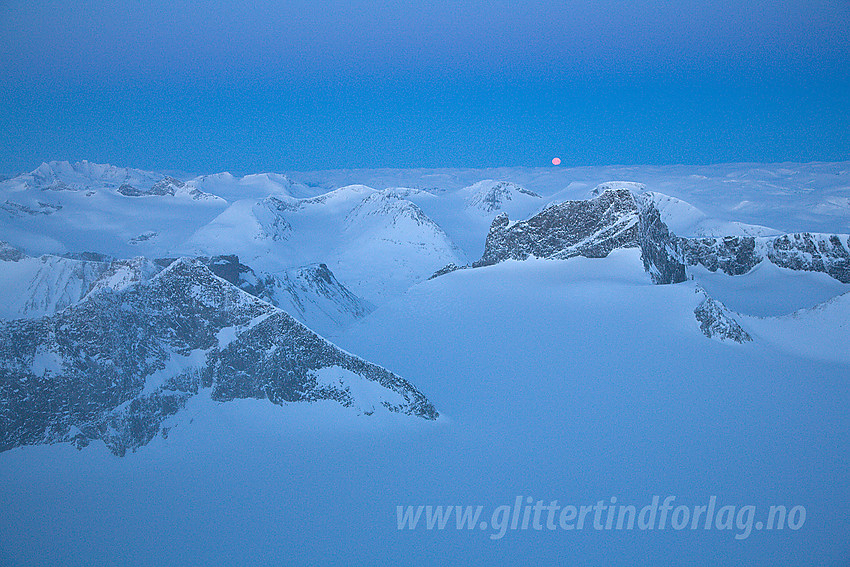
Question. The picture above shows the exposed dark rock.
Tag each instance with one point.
(104, 368)
(715, 321)
(129, 191)
(589, 228)
(734, 255)
(88, 256)
(617, 219)
(16, 209)
(9, 253)
(447, 269)
(165, 186)
(659, 248)
(812, 252)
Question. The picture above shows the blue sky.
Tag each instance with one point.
(210, 86)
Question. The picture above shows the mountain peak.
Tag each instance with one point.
(489, 196)
(589, 228)
(134, 357)
(630, 186)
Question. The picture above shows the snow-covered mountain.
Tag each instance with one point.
(34, 287)
(40, 286)
(618, 218)
(254, 186)
(118, 365)
(85, 207)
(488, 196)
(153, 324)
(376, 242)
(81, 176)
(311, 294)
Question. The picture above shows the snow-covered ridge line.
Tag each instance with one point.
(116, 365)
(40, 286)
(376, 243)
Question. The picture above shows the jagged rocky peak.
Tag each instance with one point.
(659, 250)
(828, 253)
(118, 364)
(666, 256)
(590, 228)
(716, 321)
(315, 275)
(620, 217)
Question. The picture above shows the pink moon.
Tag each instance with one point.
(556, 161)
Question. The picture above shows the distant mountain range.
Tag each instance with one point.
(130, 292)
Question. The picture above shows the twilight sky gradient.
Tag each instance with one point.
(320, 84)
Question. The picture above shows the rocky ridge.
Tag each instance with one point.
(115, 366)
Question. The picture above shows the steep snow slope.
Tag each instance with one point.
(314, 296)
(821, 332)
(311, 294)
(33, 287)
(466, 214)
(769, 290)
(488, 196)
(686, 220)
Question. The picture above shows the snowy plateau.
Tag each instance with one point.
(258, 369)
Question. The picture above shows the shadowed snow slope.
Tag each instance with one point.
(376, 243)
(577, 380)
(538, 403)
(33, 287)
(118, 365)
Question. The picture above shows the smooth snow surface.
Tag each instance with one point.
(536, 401)
(572, 380)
